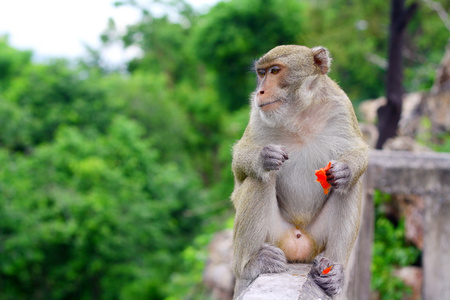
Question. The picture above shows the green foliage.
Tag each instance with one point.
(12, 62)
(146, 98)
(444, 145)
(100, 181)
(426, 28)
(45, 97)
(163, 45)
(187, 284)
(389, 251)
(437, 142)
(235, 33)
(354, 32)
(95, 218)
(16, 123)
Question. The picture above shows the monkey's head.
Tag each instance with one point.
(283, 71)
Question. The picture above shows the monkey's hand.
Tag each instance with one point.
(328, 275)
(269, 259)
(339, 174)
(273, 156)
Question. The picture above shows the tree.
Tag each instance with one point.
(389, 114)
(44, 97)
(355, 33)
(12, 62)
(234, 33)
(93, 216)
(163, 40)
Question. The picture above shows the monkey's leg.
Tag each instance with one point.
(337, 227)
(256, 223)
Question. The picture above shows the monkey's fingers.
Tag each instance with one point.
(277, 156)
(284, 153)
(272, 164)
(337, 184)
(321, 263)
(273, 157)
(338, 168)
(333, 174)
(331, 284)
(328, 275)
(275, 150)
(338, 175)
(271, 259)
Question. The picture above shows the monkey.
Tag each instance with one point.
(300, 120)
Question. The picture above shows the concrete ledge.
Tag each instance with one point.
(425, 174)
(293, 284)
(409, 173)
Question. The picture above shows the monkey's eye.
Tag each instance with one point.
(261, 73)
(274, 70)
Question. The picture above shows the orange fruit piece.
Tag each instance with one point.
(327, 270)
(322, 178)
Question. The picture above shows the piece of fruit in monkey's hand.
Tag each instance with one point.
(322, 178)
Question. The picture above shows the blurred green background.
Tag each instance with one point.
(112, 182)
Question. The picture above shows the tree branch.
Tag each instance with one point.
(407, 14)
(442, 13)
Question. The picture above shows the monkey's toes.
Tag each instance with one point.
(272, 259)
(328, 275)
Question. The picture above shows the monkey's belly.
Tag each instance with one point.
(300, 197)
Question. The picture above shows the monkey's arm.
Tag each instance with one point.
(256, 161)
(348, 168)
(357, 159)
(353, 155)
(245, 160)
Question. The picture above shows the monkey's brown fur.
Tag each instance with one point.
(300, 120)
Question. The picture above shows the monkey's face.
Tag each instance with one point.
(270, 91)
(285, 78)
(280, 73)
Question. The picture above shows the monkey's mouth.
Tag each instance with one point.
(268, 103)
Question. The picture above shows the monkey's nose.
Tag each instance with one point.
(261, 92)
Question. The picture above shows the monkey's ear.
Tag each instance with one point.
(322, 59)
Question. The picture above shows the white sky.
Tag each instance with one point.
(61, 28)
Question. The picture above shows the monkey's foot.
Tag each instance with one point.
(269, 259)
(328, 275)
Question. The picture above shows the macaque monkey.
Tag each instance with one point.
(300, 120)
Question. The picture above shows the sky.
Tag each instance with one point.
(62, 28)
